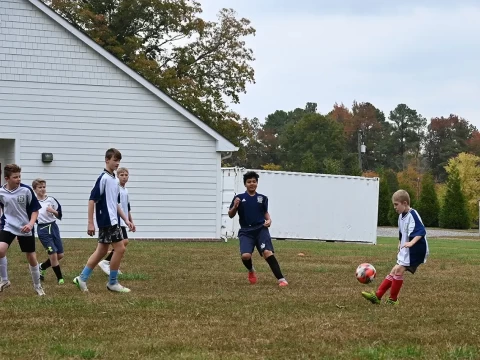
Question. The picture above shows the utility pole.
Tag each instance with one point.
(362, 149)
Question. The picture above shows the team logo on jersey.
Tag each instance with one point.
(260, 199)
(21, 199)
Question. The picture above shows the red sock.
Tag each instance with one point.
(384, 286)
(396, 286)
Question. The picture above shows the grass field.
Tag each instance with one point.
(193, 301)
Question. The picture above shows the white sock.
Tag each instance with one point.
(35, 271)
(3, 269)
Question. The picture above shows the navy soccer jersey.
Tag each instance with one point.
(251, 210)
(106, 194)
(17, 207)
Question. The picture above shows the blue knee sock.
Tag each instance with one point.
(113, 277)
(85, 273)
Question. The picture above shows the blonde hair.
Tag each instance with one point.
(122, 170)
(38, 182)
(401, 196)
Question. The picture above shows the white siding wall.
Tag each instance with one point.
(60, 96)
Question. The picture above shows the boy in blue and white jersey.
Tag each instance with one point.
(20, 210)
(412, 249)
(47, 229)
(104, 201)
(122, 175)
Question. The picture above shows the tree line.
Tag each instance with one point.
(205, 65)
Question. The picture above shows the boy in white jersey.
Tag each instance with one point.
(47, 229)
(122, 175)
(4, 282)
(104, 202)
(412, 249)
(20, 210)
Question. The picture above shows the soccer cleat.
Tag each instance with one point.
(82, 285)
(252, 277)
(42, 272)
(4, 284)
(117, 288)
(39, 290)
(61, 281)
(105, 266)
(391, 302)
(282, 283)
(371, 296)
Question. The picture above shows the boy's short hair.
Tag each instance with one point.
(401, 195)
(10, 169)
(113, 153)
(122, 170)
(38, 182)
(250, 175)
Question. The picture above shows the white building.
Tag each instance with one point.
(61, 93)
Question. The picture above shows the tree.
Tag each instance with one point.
(454, 212)
(468, 166)
(202, 65)
(407, 132)
(313, 144)
(428, 205)
(446, 138)
(384, 202)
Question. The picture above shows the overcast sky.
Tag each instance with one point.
(423, 53)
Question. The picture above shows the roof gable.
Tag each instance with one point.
(222, 143)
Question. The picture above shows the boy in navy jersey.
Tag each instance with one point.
(20, 210)
(254, 221)
(104, 201)
(48, 231)
(412, 249)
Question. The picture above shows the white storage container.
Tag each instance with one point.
(310, 206)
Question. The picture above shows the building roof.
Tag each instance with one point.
(222, 143)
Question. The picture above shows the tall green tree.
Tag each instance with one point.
(454, 212)
(314, 144)
(428, 205)
(446, 138)
(407, 133)
(384, 202)
(204, 65)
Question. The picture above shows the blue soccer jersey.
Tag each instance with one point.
(251, 210)
(17, 207)
(106, 193)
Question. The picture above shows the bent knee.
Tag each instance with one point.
(125, 242)
(246, 256)
(267, 254)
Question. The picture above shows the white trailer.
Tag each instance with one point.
(309, 206)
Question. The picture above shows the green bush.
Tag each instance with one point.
(384, 202)
(454, 212)
(428, 206)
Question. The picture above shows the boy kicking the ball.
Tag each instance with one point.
(252, 209)
(412, 249)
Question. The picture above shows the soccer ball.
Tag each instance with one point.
(365, 273)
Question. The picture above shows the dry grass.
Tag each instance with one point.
(193, 301)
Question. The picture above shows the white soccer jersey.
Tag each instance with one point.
(124, 203)
(45, 217)
(410, 225)
(17, 207)
(105, 193)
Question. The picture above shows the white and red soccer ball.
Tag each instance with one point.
(365, 273)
